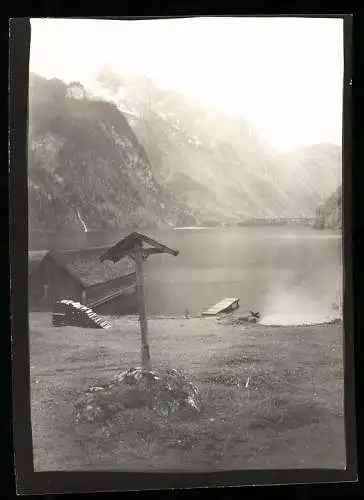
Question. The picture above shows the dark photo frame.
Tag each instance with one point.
(30, 482)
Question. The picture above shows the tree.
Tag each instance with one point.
(75, 90)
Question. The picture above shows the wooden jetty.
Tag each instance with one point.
(226, 305)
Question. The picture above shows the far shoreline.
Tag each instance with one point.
(54, 239)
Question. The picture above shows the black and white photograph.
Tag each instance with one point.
(185, 244)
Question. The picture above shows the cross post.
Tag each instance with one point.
(132, 246)
(142, 306)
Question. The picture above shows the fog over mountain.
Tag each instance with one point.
(123, 153)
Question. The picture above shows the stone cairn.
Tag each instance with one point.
(164, 392)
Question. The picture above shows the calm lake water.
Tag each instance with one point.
(277, 271)
(283, 272)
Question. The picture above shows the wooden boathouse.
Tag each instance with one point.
(106, 287)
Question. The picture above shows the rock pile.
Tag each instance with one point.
(164, 392)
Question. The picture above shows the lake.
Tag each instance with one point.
(274, 270)
(281, 271)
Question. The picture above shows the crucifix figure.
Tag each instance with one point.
(139, 247)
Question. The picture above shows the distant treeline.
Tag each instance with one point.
(329, 215)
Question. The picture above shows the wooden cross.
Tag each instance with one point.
(134, 246)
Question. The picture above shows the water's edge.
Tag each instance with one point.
(228, 320)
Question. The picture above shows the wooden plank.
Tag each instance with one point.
(156, 244)
(120, 249)
(111, 296)
(79, 315)
(223, 305)
(126, 246)
(146, 252)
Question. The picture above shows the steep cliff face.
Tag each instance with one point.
(86, 167)
(329, 214)
(233, 185)
(244, 176)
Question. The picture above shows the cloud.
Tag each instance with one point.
(283, 74)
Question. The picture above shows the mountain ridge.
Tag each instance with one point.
(195, 166)
(221, 133)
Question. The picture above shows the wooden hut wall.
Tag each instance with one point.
(49, 283)
(126, 303)
(95, 292)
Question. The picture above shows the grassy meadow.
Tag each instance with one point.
(273, 396)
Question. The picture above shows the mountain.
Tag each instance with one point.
(86, 168)
(123, 153)
(244, 176)
(329, 214)
(311, 174)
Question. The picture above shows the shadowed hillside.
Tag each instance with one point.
(329, 215)
(86, 167)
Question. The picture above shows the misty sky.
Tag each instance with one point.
(283, 75)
